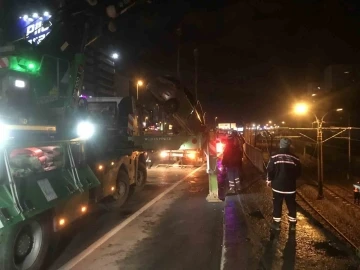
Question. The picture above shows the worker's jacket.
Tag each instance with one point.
(232, 156)
(283, 170)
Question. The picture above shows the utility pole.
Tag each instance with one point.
(320, 159)
(196, 55)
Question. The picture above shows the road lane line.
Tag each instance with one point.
(73, 262)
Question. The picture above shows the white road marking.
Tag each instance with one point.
(73, 262)
(223, 248)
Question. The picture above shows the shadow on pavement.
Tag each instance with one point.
(289, 253)
(266, 260)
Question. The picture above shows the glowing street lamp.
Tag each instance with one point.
(139, 83)
(301, 108)
(115, 56)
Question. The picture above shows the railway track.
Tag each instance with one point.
(337, 195)
(350, 242)
(335, 191)
(321, 217)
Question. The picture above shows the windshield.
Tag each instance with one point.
(103, 112)
(53, 79)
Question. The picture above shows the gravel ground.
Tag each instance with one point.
(313, 246)
(336, 210)
(337, 206)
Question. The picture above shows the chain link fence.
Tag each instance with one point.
(256, 157)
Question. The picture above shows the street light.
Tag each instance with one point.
(301, 109)
(115, 56)
(215, 120)
(283, 122)
(139, 83)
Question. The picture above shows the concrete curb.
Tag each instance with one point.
(235, 249)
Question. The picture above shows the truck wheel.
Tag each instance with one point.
(141, 176)
(122, 188)
(25, 246)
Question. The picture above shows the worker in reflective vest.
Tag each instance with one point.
(232, 159)
(283, 170)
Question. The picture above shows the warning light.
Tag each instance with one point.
(62, 222)
(220, 147)
(31, 66)
(23, 65)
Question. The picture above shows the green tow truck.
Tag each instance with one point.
(51, 175)
(56, 159)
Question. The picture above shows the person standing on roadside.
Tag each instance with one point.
(232, 159)
(283, 169)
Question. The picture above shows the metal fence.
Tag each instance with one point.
(256, 157)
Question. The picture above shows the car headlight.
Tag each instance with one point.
(163, 154)
(85, 130)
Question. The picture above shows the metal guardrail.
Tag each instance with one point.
(255, 155)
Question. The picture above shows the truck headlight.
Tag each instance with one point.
(4, 133)
(163, 154)
(85, 130)
(19, 83)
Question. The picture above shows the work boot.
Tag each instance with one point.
(231, 191)
(292, 226)
(275, 226)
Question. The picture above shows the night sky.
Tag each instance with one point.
(254, 56)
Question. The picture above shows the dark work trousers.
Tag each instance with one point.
(233, 176)
(278, 199)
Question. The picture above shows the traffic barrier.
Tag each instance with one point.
(213, 195)
(255, 155)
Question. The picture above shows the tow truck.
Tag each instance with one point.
(57, 159)
(59, 154)
(185, 147)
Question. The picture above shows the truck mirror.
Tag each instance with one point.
(82, 103)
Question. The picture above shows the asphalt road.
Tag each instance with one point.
(187, 237)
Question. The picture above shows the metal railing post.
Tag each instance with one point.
(213, 195)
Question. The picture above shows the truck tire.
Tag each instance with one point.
(24, 247)
(122, 188)
(141, 176)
